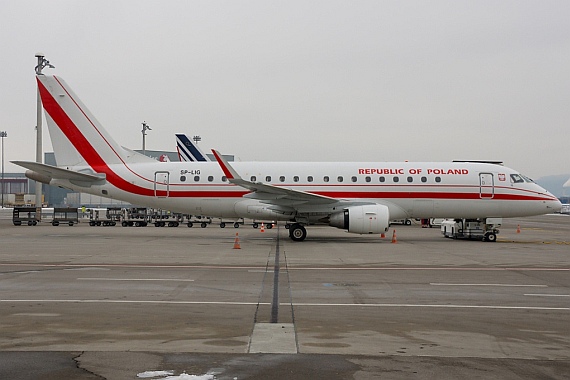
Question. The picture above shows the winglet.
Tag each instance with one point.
(229, 172)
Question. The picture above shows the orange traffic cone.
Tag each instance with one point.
(394, 240)
(382, 235)
(236, 242)
(518, 229)
(262, 228)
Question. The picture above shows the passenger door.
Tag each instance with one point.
(486, 185)
(161, 184)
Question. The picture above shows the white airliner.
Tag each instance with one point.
(360, 197)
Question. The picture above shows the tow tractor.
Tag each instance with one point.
(482, 229)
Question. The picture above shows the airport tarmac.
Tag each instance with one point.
(119, 302)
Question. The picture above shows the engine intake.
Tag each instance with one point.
(367, 219)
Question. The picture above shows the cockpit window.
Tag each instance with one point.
(527, 179)
(516, 178)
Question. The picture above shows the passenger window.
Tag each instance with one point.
(310, 178)
(368, 179)
(296, 178)
(339, 178)
(424, 179)
(268, 178)
(382, 179)
(196, 178)
(282, 178)
(410, 179)
(396, 179)
(353, 179)
(182, 178)
(224, 178)
(438, 179)
(253, 178)
(210, 178)
(326, 178)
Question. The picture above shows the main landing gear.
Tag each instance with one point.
(297, 232)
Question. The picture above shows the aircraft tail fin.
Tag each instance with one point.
(77, 137)
(187, 150)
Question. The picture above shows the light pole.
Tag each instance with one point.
(144, 129)
(42, 63)
(2, 135)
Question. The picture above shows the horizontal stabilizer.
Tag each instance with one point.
(54, 172)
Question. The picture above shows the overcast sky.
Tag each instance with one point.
(304, 80)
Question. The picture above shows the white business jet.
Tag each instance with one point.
(360, 197)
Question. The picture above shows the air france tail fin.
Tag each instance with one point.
(77, 137)
(188, 151)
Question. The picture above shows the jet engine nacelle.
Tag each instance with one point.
(38, 177)
(367, 219)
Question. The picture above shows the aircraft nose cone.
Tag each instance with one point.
(557, 206)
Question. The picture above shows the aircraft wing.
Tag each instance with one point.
(268, 193)
(54, 172)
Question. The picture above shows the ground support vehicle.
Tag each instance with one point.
(268, 225)
(235, 223)
(69, 215)
(104, 216)
(24, 215)
(134, 216)
(406, 222)
(162, 218)
(486, 230)
(204, 221)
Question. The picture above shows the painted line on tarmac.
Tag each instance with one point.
(376, 305)
(500, 285)
(548, 295)
(262, 268)
(380, 305)
(478, 269)
(103, 265)
(231, 303)
(133, 279)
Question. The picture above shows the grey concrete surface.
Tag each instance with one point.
(111, 302)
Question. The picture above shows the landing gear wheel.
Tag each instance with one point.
(204, 225)
(491, 236)
(255, 225)
(236, 225)
(189, 224)
(297, 232)
(222, 225)
(269, 226)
